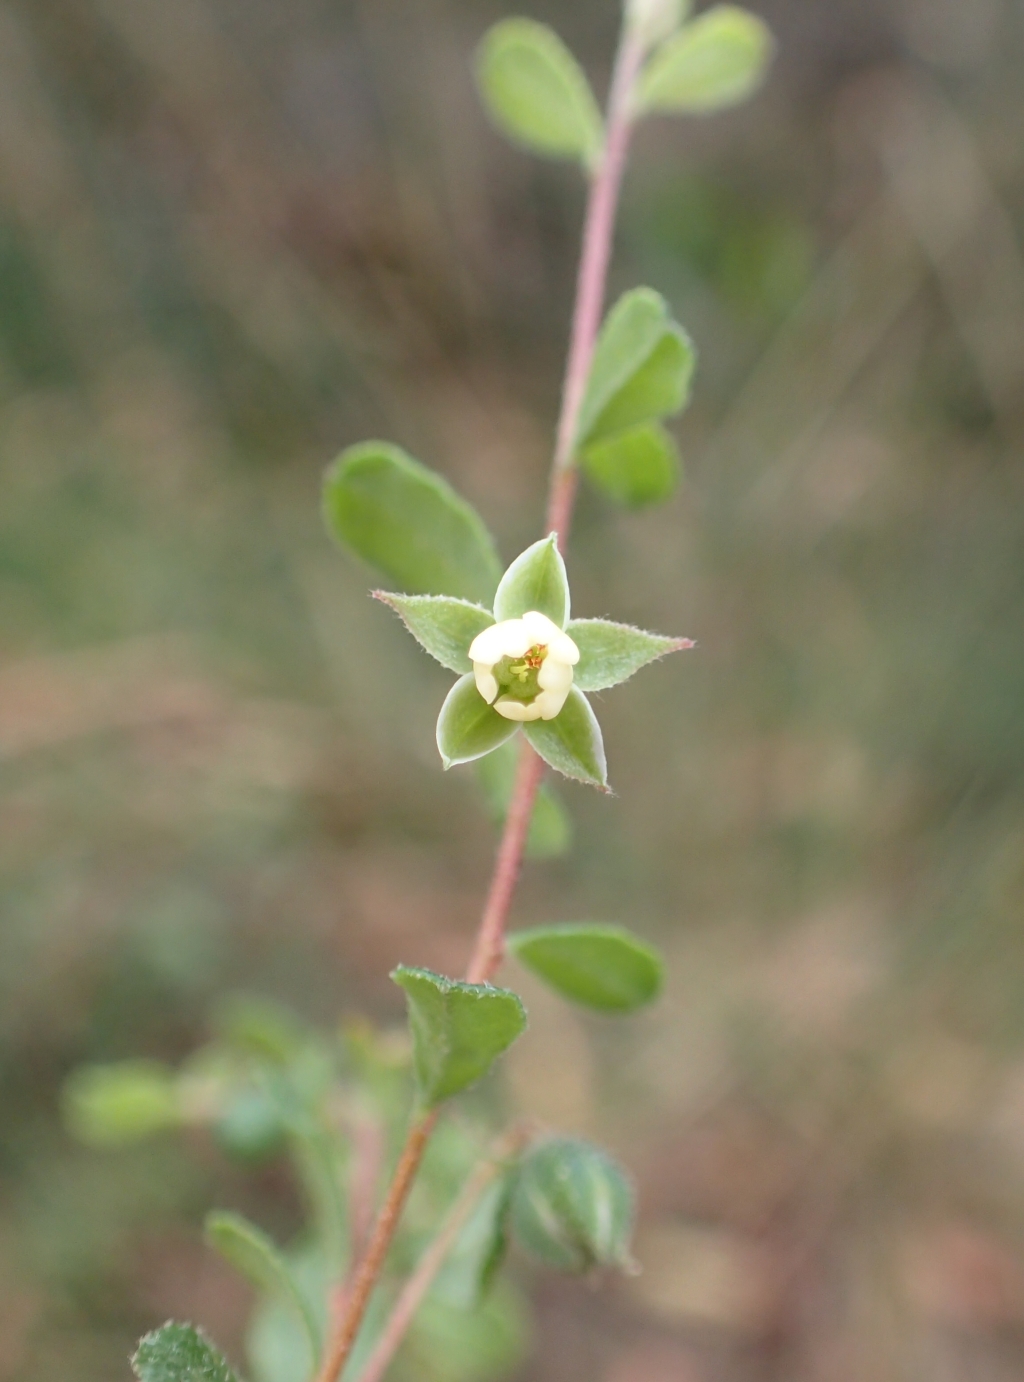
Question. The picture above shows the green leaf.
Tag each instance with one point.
(550, 827)
(652, 20)
(467, 726)
(636, 467)
(573, 1206)
(535, 580)
(642, 368)
(458, 1030)
(444, 626)
(109, 1105)
(571, 743)
(257, 1257)
(250, 1127)
(603, 967)
(717, 61)
(180, 1353)
(611, 653)
(536, 92)
(409, 523)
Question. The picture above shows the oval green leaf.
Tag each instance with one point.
(535, 580)
(717, 61)
(602, 967)
(536, 93)
(110, 1105)
(445, 627)
(611, 653)
(634, 468)
(642, 368)
(256, 1256)
(180, 1353)
(571, 743)
(409, 523)
(458, 1030)
(467, 726)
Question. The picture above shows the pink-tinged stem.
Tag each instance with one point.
(591, 281)
(489, 949)
(433, 1259)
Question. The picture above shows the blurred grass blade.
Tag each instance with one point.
(109, 1105)
(410, 524)
(536, 92)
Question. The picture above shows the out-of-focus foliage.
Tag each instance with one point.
(238, 238)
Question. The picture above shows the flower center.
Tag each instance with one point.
(517, 676)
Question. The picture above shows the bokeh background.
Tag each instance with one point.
(238, 236)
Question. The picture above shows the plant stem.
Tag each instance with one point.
(599, 225)
(420, 1282)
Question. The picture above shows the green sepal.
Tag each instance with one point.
(642, 368)
(458, 1030)
(180, 1353)
(409, 523)
(536, 580)
(636, 467)
(536, 92)
(550, 826)
(716, 61)
(572, 1206)
(444, 626)
(611, 653)
(467, 726)
(251, 1252)
(127, 1101)
(571, 743)
(602, 967)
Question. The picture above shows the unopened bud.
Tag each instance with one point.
(653, 20)
(573, 1206)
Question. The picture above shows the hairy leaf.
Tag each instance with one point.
(467, 726)
(180, 1353)
(611, 653)
(571, 743)
(458, 1030)
(535, 580)
(444, 626)
(409, 523)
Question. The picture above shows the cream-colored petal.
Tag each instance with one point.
(486, 683)
(562, 647)
(488, 646)
(553, 675)
(542, 629)
(549, 703)
(518, 710)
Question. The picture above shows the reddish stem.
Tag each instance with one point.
(598, 227)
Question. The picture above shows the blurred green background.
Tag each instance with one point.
(238, 236)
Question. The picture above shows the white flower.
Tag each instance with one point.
(523, 667)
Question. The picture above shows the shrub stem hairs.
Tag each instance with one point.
(359, 1291)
